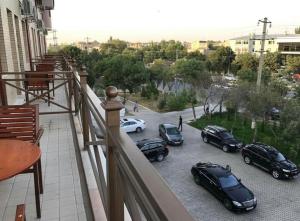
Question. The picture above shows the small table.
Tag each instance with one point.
(17, 157)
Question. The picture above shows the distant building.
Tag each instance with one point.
(140, 45)
(288, 44)
(89, 46)
(205, 47)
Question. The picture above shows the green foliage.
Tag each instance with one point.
(249, 75)
(192, 71)
(246, 61)
(293, 63)
(162, 102)
(196, 55)
(124, 72)
(272, 61)
(176, 103)
(220, 60)
(159, 70)
(150, 91)
(113, 46)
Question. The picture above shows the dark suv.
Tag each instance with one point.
(269, 159)
(224, 185)
(153, 149)
(170, 134)
(220, 137)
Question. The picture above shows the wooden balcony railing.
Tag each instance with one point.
(126, 180)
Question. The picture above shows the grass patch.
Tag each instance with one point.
(268, 133)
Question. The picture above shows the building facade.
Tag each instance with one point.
(282, 43)
(23, 27)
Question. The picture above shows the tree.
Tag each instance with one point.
(272, 61)
(297, 30)
(196, 55)
(159, 71)
(113, 46)
(221, 59)
(194, 72)
(249, 75)
(293, 63)
(246, 61)
(124, 72)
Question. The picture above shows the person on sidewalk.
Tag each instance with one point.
(180, 123)
(136, 107)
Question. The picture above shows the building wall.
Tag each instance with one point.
(14, 50)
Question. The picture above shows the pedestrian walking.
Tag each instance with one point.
(136, 107)
(180, 123)
(207, 110)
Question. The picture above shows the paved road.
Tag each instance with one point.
(277, 200)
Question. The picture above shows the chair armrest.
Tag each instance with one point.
(39, 135)
(20, 213)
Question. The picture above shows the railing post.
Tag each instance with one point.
(114, 187)
(72, 68)
(85, 127)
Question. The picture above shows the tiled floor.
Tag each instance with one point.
(62, 198)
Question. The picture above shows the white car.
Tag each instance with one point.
(132, 125)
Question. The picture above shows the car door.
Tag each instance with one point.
(212, 135)
(218, 139)
(263, 159)
(126, 126)
(164, 133)
(146, 150)
(133, 126)
(213, 186)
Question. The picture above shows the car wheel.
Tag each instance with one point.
(227, 204)
(247, 160)
(275, 174)
(197, 179)
(205, 139)
(138, 130)
(225, 148)
(160, 157)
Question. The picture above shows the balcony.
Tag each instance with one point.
(91, 169)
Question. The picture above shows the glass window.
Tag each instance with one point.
(228, 181)
(172, 131)
(226, 135)
(278, 156)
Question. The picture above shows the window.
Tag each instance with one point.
(253, 42)
(228, 181)
(238, 42)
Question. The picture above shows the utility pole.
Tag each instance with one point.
(265, 21)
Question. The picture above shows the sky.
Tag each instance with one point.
(183, 20)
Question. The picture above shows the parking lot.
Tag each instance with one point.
(277, 199)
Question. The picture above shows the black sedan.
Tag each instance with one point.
(220, 137)
(224, 185)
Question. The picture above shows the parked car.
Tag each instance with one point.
(270, 159)
(132, 125)
(220, 137)
(170, 134)
(224, 185)
(153, 149)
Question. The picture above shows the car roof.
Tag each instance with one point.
(149, 140)
(266, 147)
(214, 169)
(217, 128)
(169, 125)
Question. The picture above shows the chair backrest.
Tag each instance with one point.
(38, 83)
(19, 122)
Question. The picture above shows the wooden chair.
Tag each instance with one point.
(20, 213)
(48, 66)
(22, 122)
(35, 84)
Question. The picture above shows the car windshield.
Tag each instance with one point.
(226, 135)
(228, 181)
(172, 131)
(278, 157)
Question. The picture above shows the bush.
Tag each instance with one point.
(161, 104)
(176, 103)
(150, 91)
